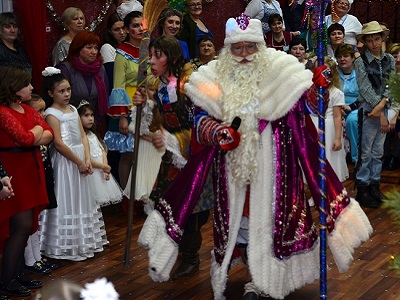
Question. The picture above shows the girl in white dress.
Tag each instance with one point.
(149, 158)
(75, 229)
(105, 189)
(335, 152)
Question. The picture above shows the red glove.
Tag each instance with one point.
(227, 138)
(322, 76)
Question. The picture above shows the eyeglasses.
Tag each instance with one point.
(343, 4)
(198, 4)
(251, 48)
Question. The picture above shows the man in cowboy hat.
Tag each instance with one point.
(372, 69)
(260, 210)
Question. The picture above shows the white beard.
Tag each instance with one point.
(240, 98)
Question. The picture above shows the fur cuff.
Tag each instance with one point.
(173, 146)
(351, 229)
(147, 118)
(162, 250)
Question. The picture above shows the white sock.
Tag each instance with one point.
(28, 255)
(36, 246)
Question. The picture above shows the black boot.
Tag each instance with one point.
(375, 192)
(189, 266)
(364, 197)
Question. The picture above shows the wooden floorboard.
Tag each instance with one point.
(368, 278)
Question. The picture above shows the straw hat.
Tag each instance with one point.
(372, 28)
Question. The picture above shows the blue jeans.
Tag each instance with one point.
(372, 140)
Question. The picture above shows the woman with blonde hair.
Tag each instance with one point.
(73, 21)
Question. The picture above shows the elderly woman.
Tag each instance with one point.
(339, 14)
(73, 21)
(297, 48)
(277, 38)
(84, 70)
(22, 131)
(345, 56)
(170, 23)
(11, 51)
(336, 36)
(193, 27)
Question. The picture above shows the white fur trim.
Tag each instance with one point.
(252, 33)
(204, 90)
(162, 250)
(172, 145)
(351, 229)
(283, 85)
(146, 118)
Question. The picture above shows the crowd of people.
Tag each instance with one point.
(233, 130)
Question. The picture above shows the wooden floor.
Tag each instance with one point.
(367, 279)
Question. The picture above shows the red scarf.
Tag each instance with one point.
(93, 69)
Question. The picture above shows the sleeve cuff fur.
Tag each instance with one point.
(162, 250)
(172, 145)
(351, 229)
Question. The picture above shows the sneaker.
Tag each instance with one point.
(38, 268)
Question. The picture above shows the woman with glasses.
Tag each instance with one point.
(193, 27)
(339, 14)
(12, 54)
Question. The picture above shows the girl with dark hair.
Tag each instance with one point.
(103, 185)
(84, 70)
(11, 51)
(61, 229)
(126, 68)
(22, 130)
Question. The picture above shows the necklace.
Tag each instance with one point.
(279, 46)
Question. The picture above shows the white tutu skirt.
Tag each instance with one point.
(105, 192)
(149, 160)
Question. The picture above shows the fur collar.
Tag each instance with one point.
(283, 83)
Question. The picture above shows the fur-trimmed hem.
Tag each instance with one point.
(351, 229)
(162, 250)
(219, 278)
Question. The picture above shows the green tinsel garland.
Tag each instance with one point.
(394, 88)
(392, 203)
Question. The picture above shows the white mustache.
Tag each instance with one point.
(239, 59)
